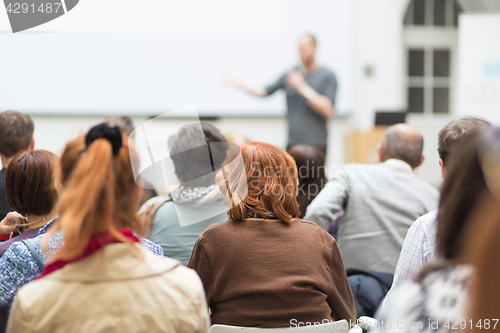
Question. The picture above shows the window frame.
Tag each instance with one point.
(429, 37)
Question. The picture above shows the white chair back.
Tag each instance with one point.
(341, 326)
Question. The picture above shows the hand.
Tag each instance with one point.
(296, 80)
(8, 224)
(232, 81)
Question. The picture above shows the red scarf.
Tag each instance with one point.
(94, 245)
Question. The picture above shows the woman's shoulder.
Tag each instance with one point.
(173, 272)
(152, 246)
(314, 229)
(19, 251)
(218, 229)
(299, 224)
(167, 208)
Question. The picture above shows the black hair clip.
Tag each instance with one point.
(107, 131)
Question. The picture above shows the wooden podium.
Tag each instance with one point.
(361, 146)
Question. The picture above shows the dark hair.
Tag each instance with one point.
(194, 156)
(16, 132)
(29, 183)
(311, 172)
(124, 122)
(462, 188)
(483, 231)
(458, 128)
(403, 142)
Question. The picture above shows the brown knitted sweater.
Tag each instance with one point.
(267, 273)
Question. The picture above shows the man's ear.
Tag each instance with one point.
(422, 159)
(443, 168)
(380, 153)
(32, 144)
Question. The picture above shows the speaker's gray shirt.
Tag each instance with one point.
(306, 126)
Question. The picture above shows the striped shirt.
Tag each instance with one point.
(419, 248)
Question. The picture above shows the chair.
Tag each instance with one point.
(367, 323)
(340, 326)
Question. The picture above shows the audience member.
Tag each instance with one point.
(198, 194)
(127, 126)
(419, 247)
(265, 267)
(380, 201)
(29, 183)
(125, 123)
(16, 135)
(102, 279)
(236, 138)
(484, 251)
(20, 264)
(439, 293)
(311, 171)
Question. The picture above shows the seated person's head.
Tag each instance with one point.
(462, 189)
(451, 133)
(124, 122)
(127, 127)
(196, 151)
(16, 134)
(29, 183)
(311, 172)
(270, 176)
(236, 138)
(308, 158)
(404, 143)
(99, 195)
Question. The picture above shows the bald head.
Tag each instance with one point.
(403, 142)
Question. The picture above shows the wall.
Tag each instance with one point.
(479, 68)
(376, 31)
(378, 28)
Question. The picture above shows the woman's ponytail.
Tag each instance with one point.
(88, 203)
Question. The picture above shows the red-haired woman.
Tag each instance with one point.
(264, 267)
(103, 279)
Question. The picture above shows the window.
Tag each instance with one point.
(433, 13)
(430, 40)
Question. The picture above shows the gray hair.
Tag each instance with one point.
(403, 142)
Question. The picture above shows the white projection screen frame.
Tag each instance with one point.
(151, 56)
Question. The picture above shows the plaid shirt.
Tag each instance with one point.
(419, 248)
(17, 266)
